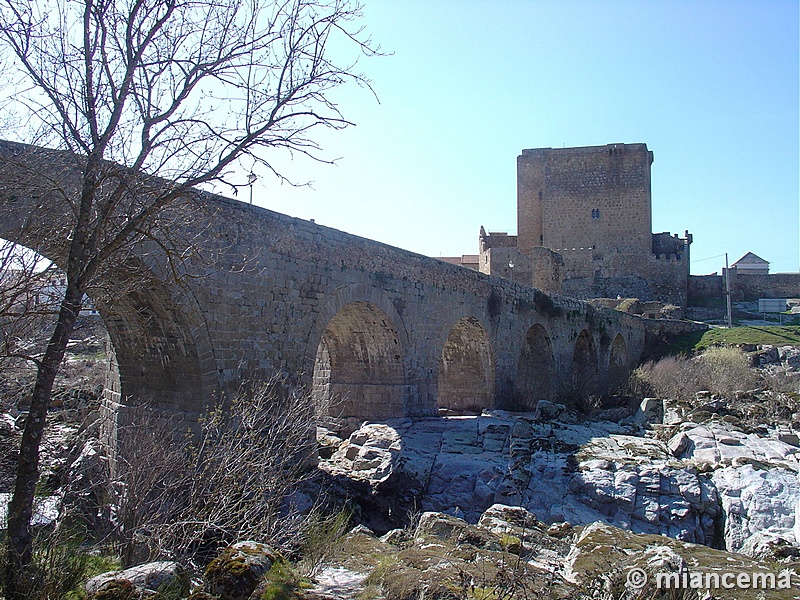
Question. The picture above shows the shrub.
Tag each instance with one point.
(322, 538)
(727, 370)
(782, 380)
(61, 564)
(721, 370)
(671, 377)
(184, 498)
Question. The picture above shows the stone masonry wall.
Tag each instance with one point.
(645, 277)
(594, 198)
(264, 293)
(704, 289)
(592, 206)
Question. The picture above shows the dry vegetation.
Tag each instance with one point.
(720, 370)
(183, 496)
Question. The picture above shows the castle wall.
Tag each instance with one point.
(646, 277)
(704, 289)
(749, 287)
(744, 287)
(592, 206)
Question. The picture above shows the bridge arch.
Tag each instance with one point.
(359, 362)
(466, 369)
(535, 368)
(159, 354)
(161, 349)
(618, 364)
(585, 372)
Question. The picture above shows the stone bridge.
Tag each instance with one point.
(374, 330)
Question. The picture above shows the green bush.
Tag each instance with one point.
(61, 564)
(322, 538)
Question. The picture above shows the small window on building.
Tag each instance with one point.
(595, 214)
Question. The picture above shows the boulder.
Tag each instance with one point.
(83, 499)
(235, 573)
(651, 410)
(634, 484)
(769, 546)
(717, 445)
(608, 559)
(370, 452)
(760, 505)
(767, 355)
(500, 519)
(548, 411)
(515, 526)
(790, 355)
(166, 578)
(396, 537)
(440, 525)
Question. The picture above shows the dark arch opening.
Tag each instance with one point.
(466, 369)
(155, 354)
(535, 368)
(585, 382)
(358, 368)
(618, 368)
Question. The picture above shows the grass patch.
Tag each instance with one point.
(787, 335)
(696, 341)
(281, 582)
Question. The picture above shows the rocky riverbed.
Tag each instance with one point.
(708, 481)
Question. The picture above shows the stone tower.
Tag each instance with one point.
(591, 206)
(588, 204)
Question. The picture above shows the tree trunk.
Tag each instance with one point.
(20, 541)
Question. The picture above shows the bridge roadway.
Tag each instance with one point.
(373, 330)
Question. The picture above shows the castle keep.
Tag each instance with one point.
(585, 228)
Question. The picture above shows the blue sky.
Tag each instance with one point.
(710, 86)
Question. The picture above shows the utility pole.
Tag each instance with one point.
(511, 269)
(728, 290)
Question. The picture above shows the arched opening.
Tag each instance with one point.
(153, 356)
(31, 291)
(466, 369)
(584, 367)
(618, 365)
(154, 352)
(358, 368)
(535, 368)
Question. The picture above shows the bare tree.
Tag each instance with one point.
(148, 99)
